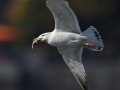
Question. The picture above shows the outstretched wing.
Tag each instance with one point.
(65, 19)
(72, 57)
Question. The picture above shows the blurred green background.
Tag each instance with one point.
(43, 68)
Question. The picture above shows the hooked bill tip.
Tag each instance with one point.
(35, 41)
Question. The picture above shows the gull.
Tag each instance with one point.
(69, 39)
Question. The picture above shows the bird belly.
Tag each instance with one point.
(65, 40)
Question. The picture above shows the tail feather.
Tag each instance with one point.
(93, 38)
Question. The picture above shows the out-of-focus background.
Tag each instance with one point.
(43, 68)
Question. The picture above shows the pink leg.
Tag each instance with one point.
(89, 45)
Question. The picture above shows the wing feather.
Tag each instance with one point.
(72, 57)
(65, 19)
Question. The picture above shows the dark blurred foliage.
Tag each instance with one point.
(43, 68)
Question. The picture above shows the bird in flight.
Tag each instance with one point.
(69, 39)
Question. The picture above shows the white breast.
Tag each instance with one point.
(64, 39)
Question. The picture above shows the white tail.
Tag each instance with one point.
(93, 38)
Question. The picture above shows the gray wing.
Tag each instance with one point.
(72, 57)
(65, 19)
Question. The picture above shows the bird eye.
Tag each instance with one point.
(42, 35)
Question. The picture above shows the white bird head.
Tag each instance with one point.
(42, 38)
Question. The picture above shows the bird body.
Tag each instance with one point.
(61, 39)
(69, 39)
